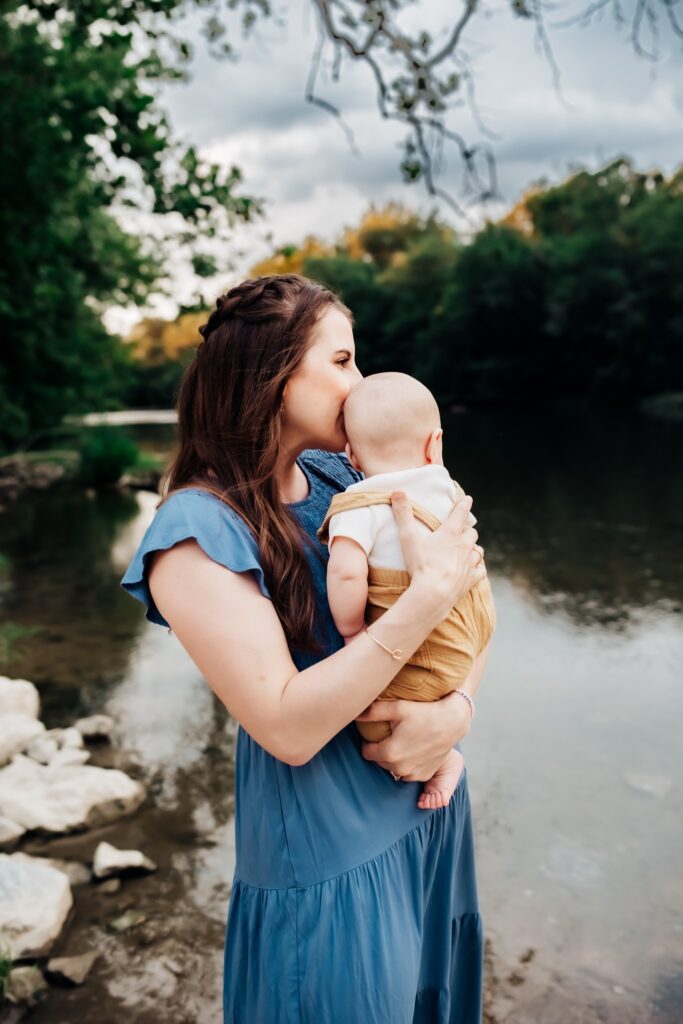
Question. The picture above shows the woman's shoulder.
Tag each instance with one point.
(193, 513)
(332, 466)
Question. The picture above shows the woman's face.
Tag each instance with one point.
(315, 394)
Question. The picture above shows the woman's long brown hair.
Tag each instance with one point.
(229, 425)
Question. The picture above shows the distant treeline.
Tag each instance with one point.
(576, 294)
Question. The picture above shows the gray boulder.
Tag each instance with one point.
(43, 748)
(9, 831)
(70, 970)
(19, 695)
(95, 727)
(75, 871)
(17, 730)
(109, 860)
(35, 901)
(65, 798)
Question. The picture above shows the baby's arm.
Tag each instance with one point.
(347, 585)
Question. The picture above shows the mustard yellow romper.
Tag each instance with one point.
(443, 661)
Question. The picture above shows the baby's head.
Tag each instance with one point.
(392, 422)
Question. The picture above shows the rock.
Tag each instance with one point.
(43, 748)
(77, 873)
(130, 919)
(64, 798)
(71, 737)
(111, 861)
(17, 730)
(9, 831)
(112, 885)
(25, 985)
(35, 901)
(19, 695)
(71, 969)
(95, 727)
(69, 755)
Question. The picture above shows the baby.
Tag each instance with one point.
(394, 430)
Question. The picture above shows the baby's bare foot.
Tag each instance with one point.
(440, 788)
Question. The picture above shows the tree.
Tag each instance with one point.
(577, 293)
(81, 139)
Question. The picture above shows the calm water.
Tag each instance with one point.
(574, 758)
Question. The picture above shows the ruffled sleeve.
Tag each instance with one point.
(219, 531)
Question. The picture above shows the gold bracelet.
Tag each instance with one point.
(397, 653)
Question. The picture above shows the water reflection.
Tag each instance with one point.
(583, 515)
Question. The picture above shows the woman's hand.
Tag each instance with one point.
(447, 562)
(423, 732)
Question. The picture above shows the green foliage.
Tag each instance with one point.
(12, 636)
(83, 137)
(106, 453)
(588, 303)
(152, 385)
(5, 971)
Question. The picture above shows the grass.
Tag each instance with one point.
(5, 971)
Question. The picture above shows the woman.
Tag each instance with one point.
(348, 901)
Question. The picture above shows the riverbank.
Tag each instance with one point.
(26, 473)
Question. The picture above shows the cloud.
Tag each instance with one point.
(253, 113)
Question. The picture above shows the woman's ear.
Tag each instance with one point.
(434, 448)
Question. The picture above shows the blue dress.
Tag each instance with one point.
(348, 903)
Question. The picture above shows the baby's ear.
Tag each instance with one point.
(350, 456)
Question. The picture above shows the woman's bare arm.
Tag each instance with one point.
(422, 732)
(232, 633)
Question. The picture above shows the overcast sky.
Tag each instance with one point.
(253, 113)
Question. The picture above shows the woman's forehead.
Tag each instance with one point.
(333, 331)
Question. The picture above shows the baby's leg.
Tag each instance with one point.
(440, 788)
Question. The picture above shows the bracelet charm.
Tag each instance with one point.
(397, 653)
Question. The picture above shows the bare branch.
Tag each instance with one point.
(330, 107)
(420, 80)
(420, 93)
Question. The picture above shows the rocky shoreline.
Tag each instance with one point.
(21, 474)
(47, 790)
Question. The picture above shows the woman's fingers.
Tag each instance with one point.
(381, 711)
(478, 573)
(458, 517)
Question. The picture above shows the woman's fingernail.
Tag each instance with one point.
(397, 496)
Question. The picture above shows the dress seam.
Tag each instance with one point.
(298, 972)
(347, 871)
(284, 825)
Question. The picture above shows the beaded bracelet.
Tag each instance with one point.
(468, 699)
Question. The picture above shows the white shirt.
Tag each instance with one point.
(374, 527)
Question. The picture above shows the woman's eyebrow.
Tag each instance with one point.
(343, 351)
